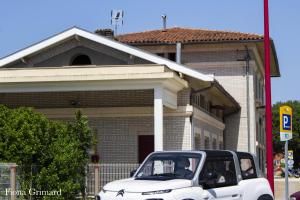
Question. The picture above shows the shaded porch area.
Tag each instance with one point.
(128, 107)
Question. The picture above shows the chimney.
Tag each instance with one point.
(105, 32)
(164, 17)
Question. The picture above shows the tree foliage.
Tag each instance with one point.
(51, 155)
(294, 144)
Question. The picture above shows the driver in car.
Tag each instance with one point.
(182, 168)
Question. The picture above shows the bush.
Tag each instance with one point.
(51, 155)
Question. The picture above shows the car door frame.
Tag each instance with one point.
(228, 192)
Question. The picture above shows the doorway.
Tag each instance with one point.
(145, 146)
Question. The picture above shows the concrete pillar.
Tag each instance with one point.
(13, 182)
(97, 181)
(158, 119)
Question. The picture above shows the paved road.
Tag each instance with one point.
(294, 186)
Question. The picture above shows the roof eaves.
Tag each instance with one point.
(108, 42)
(142, 43)
(37, 46)
(145, 55)
(47, 38)
(218, 42)
(276, 59)
(237, 106)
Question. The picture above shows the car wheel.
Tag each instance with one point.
(265, 197)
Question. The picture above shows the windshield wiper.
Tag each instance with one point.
(167, 175)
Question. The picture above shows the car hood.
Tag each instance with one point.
(131, 185)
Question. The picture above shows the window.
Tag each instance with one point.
(218, 172)
(81, 60)
(259, 88)
(247, 166)
(263, 167)
(219, 113)
(257, 128)
(202, 101)
(262, 93)
(197, 100)
(168, 166)
(172, 56)
(214, 143)
(197, 142)
(255, 86)
(161, 54)
(206, 143)
(209, 107)
(260, 158)
(163, 166)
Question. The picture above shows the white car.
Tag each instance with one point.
(192, 175)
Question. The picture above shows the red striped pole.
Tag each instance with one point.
(269, 141)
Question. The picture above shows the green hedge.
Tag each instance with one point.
(51, 155)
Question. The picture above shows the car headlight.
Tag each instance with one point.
(156, 192)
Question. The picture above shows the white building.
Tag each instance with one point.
(236, 61)
(136, 101)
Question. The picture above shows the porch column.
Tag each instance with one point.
(158, 119)
(96, 171)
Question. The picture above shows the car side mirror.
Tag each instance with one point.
(132, 172)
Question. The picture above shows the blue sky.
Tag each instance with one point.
(25, 22)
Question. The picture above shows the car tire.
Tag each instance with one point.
(265, 197)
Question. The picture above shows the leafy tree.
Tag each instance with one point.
(51, 155)
(294, 144)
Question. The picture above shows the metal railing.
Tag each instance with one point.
(97, 175)
(100, 174)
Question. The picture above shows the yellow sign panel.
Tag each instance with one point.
(286, 116)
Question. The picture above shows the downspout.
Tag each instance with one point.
(178, 53)
(248, 98)
(247, 59)
(192, 133)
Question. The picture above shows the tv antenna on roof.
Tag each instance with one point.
(164, 17)
(116, 17)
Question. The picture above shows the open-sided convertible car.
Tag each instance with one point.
(192, 175)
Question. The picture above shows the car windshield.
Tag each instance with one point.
(167, 166)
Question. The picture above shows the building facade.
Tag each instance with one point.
(136, 101)
(236, 61)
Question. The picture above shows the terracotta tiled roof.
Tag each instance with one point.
(185, 35)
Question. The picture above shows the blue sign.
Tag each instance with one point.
(286, 122)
